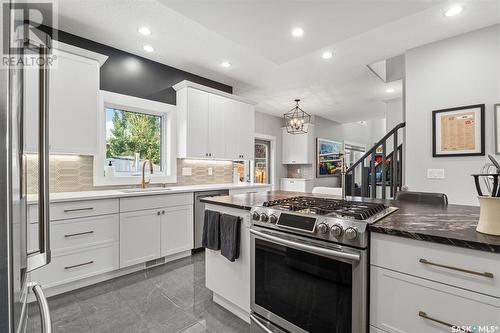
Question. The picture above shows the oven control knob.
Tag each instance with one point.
(264, 217)
(273, 219)
(323, 228)
(256, 216)
(336, 230)
(351, 233)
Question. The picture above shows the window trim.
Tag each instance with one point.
(272, 139)
(169, 137)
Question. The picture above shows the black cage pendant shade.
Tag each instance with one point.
(297, 120)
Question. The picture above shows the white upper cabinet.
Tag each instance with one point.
(213, 124)
(298, 148)
(246, 131)
(73, 102)
(218, 109)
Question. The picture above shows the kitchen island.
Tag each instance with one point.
(429, 269)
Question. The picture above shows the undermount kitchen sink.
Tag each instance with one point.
(141, 190)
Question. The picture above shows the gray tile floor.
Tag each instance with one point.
(168, 298)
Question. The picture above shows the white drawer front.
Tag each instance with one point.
(155, 201)
(249, 190)
(77, 265)
(397, 299)
(73, 209)
(405, 255)
(76, 233)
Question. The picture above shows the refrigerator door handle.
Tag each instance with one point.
(43, 305)
(43, 256)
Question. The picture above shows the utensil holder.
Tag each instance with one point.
(489, 218)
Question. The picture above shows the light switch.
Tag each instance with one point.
(435, 173)
(210, 171)
(187, 171)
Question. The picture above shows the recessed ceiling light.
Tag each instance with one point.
(148, 48)
(144, 31)
(225, 64)
(297, 32)
(389, 90)
(327, 55)
(453, 10)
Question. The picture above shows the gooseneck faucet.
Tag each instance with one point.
(343, 171)
(143, 181)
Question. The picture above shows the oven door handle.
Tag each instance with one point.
(305, 247)
(261, 325)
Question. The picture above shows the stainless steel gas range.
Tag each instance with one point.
(309, 264)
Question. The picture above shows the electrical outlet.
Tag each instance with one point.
(298, 171)
(187, 171)
(435, 173)
(210, 171)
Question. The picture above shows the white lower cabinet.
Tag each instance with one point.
(176, 230)
(231, 280)
(418, 286)
(404, 303)
(75, 265)
(296, 184)
(139, 236)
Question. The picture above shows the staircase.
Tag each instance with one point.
(378, 174)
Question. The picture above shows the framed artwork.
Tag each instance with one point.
(328, 163)
(458, 131)
(497, 129)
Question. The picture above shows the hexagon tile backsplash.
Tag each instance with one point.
(73, 173)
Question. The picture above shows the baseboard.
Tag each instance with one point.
(231, 307)
(64, 288)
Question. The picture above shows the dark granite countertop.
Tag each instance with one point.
(452, 225)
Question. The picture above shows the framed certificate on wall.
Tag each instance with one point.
(497, 129)
(458, 131)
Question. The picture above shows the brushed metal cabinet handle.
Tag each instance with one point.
(424, 315)
(78, 209)
(79, 265)
(79, 234)
(43, 255)
(261, 325)
(463, 270)
(43, 305)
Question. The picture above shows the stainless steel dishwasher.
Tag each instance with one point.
(199, 213)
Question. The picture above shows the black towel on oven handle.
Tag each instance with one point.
(230, 236)
(211, 230)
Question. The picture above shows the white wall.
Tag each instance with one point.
(271, 125)
(365, 135)
(459, 71)
(393, 117)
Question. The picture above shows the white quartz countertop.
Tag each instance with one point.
(121, 193)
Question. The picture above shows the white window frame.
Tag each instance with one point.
(272, 139)
(167, 112)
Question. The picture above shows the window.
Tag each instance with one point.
(262, 170)
(134, 130)
(132, 138)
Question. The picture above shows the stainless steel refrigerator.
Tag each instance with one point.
(15, 261)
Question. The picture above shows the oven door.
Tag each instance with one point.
(304, 285)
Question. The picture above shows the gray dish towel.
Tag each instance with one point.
(211, 230)
(230, 236)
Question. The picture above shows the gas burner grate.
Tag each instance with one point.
(331, 207)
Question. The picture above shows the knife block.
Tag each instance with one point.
(489, 218)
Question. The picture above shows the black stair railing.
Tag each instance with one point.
(377, 164)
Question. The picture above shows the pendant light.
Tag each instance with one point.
(297, 120)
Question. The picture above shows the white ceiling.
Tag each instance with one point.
(268, 64)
